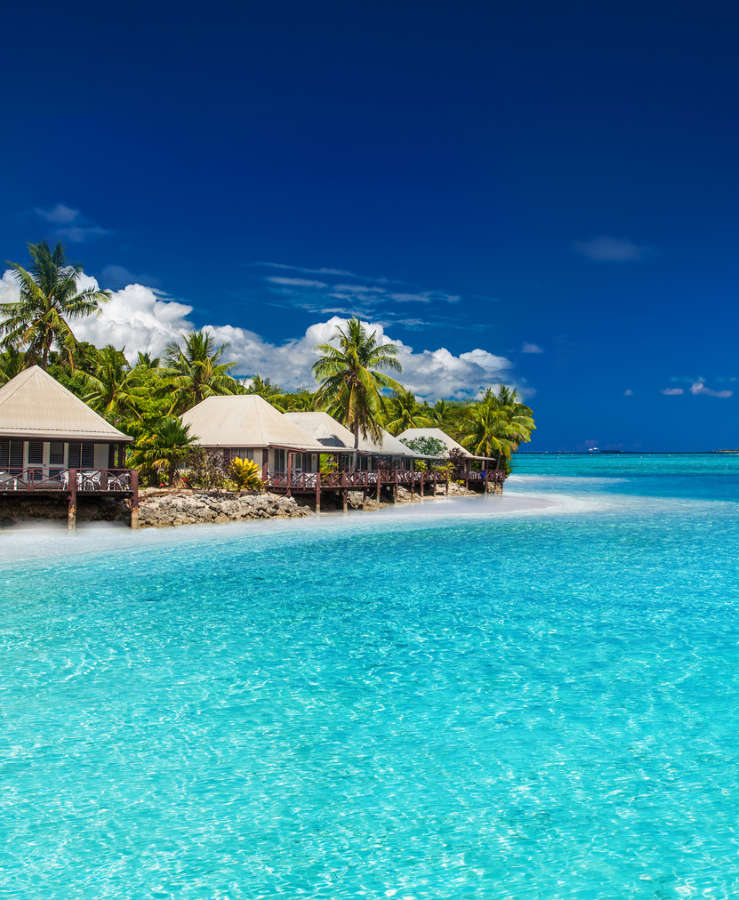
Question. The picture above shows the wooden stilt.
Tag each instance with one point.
(289, 473)
(379, 484)
(134, 498)
(318, 492)
(72, 501)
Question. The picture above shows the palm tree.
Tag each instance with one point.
(486, 432)
(497, 424)
(111, 388)
(12, 363)
(351, 381)
(162, 451)
(404, 412)
(196, 372)
(303, 401)
(440, 413)
(49, 298)
(146, 361)
(263, 387)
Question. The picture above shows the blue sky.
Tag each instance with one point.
(480, 180)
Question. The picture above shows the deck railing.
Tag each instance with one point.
(83, 481)
(310, 482)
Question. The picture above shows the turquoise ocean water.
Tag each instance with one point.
(534, 696)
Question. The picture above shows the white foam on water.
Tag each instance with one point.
(45, 541)
(605, 480)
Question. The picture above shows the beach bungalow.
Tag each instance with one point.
(45, 430)
(449, 444)
(389, 453)
(486, 470)
(248, 427)
(52, 442)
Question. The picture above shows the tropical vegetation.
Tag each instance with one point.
(144, 397)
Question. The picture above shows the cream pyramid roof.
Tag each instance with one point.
(412, 434)
(245, 420)
(35, 405)
(333, 434)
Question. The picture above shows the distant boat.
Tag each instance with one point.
(593, 449)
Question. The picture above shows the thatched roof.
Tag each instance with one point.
(35, 405)
(333, 435)
(245, 420)
(412, 434)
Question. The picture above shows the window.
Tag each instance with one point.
(56, 453)
(81, 456)
(35, 453)
(241, 453)
(279, 460)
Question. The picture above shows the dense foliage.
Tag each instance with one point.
(145, 397)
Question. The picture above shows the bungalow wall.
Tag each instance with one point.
(18, 454)
(309, 462)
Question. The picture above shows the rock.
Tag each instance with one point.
(163, 509)
(355, 499)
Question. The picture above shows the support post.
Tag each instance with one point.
(72, 501)
(379, 484)
(395, 486)
(318, 492)
(134, 498)
(289, 473)
(344, 492)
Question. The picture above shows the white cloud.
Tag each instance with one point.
(611, 249)
(672, 392)
(8, 287)
(339, 291)
(71, 224)
(139, 318)
(531, 348)
(698, 388)
(295, 282)
(78, 234)
(61, 214)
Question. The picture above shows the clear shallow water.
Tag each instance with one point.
(533, 697)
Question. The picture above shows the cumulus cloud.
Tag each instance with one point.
(611, 249)
(142, 319)
(8, 287)
(139, 318)
(672, 392)
(531, 348)
(428, 373)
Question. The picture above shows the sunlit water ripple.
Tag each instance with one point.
(533, 696)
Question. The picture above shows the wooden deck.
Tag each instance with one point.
(73, 483)
(372, 483)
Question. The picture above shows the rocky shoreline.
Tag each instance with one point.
(168, 507)
(162, 509)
